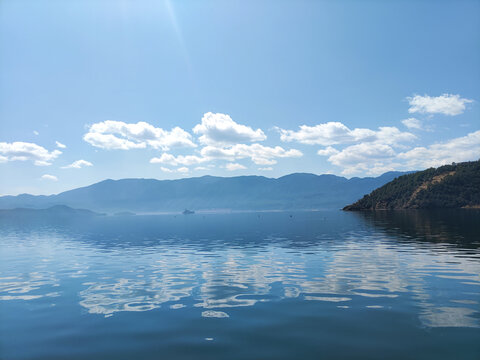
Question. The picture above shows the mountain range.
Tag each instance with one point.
(293, 192)
(57, 211)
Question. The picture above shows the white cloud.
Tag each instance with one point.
(369, 169)
(220, 129)
(234, 166)
(366, 150)
(111, 134)
(78, 164)
(49, 177)
(446, 104)
(460, 149)
(111, 142)
(60, 145)
(23, 151)
(361, 153)
(265, 169)
(173, 160)
(375, 158)
(259, 154)
(36, 133)
(178, 170)
(200, 168)
(392, 136)
(413, 123)
(329, 133)
(367, 158)
(332, 133)
(328, 151)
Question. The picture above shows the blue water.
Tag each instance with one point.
(303, 285)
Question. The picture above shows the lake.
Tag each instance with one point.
(272, 285)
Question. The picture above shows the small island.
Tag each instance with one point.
(188, 212)
(450, 186)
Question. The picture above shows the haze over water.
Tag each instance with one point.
(237, 286)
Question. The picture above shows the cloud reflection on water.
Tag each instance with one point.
(369, 267)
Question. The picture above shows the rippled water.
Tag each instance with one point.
(242, 286)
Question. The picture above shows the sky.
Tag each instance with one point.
(91, 90)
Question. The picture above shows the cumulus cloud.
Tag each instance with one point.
(182, 169)
(23, 151)
(332, 133)
(365, 151)
(234, 166)
(446, 104)
(178, 170)
(370, 169)
(361, 153)
(49, 177)
(60, 145)
(328, 151)
(259, 154)
(460, 149)
(118, 135)
(367, 158)
(200, 168)
(375, 158)
(173, 160)
(78, 164)
(220, 129)
(413, 123)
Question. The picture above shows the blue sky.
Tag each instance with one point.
(170, 89)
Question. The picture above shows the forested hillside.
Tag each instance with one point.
(449, 186)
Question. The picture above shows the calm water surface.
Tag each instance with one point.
(304, 285)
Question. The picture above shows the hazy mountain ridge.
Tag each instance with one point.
(294, 191)
(53, 211)
(449, 186)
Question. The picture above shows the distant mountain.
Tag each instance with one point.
(294, 191)
(449, 186)
(56, 211)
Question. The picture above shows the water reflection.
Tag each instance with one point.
(425, 262)
(450, 226)
(28, 286)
